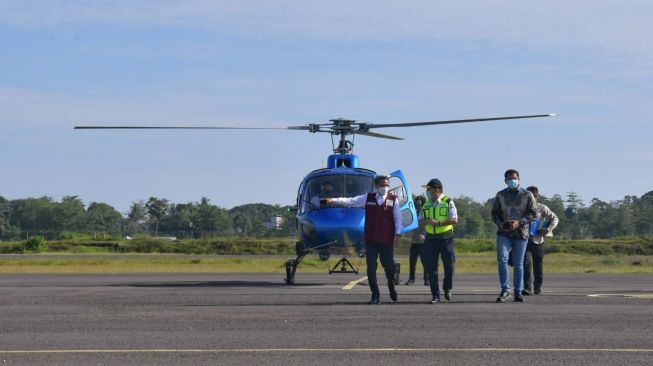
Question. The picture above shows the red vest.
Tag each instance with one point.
(379, 220)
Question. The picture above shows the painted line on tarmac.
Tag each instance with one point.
(632, 296)
(321, 350)
(351, 284)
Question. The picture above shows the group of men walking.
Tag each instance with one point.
(521, 222)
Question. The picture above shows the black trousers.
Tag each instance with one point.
(416, 250)
(433, 249)
(533, 266)
(385, 252)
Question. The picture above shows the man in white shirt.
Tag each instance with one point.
(535, 247)
(382, 231)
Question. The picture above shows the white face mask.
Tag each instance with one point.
(383, 190)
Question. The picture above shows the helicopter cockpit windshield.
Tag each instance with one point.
(333, 186)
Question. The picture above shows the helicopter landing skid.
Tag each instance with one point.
(302, 251)
(291, 266)
(345, 267)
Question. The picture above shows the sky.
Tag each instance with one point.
(285, 63)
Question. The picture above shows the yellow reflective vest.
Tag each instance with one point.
(440, 212)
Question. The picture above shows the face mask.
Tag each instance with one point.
(512, 183)
(430, 193)
(382, 190)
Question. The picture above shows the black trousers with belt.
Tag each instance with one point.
(433, 249)
(536, 252)
(385, 252)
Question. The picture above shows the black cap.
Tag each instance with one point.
(433, 183)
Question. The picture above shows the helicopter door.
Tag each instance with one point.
(399, 187)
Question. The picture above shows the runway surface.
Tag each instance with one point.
(244, 319)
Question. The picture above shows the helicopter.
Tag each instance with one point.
(336, 230)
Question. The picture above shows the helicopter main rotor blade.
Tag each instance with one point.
(452, 121)
(177, 128)
(376, 134)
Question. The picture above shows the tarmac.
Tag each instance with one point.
(245, 319)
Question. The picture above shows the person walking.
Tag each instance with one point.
(438, 217)
(416, 247)
(513, 210)
(546, 221)
(382, 232)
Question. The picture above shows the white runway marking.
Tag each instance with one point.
(351, 284)
(320, 350)
(632, 296)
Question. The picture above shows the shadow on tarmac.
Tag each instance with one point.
(194, 284)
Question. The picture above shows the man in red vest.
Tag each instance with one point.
(382, 231)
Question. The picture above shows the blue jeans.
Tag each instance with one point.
(518, 246)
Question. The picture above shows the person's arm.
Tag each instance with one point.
(452, 218)
(358, 201)
(497, 214)
(553, 220)
(422, 220)
(396, 213)
(531, 210)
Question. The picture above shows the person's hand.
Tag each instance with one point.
(325, 201)
(422, 237)
(510, 225)
(397, 240)
(543, 231)
(435, 222)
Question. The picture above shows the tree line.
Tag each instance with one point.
(69, 218)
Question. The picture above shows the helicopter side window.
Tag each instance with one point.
(398, 189)
(301, 193)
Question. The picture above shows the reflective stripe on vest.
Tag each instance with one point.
(439, 213)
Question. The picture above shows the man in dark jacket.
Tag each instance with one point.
(513, 210)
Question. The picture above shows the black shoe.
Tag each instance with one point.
(526, 292)
(410, 282)
(519, 298)
(447, 295)
(538, 291)
(435, 300)
(374, 301)
(503, 296)
(393, 294)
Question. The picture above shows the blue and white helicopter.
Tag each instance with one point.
(338, 230)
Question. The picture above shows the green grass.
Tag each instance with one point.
(286, 246)
(465, 263)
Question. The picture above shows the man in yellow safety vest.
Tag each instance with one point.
(438, 217)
